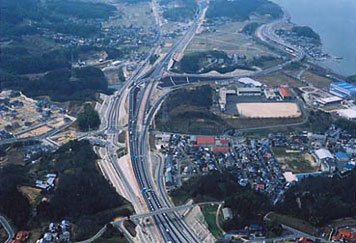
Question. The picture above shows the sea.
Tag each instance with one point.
(335, 22)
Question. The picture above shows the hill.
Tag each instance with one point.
(81, 195)
(240, 10)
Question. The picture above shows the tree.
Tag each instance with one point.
(88, 119)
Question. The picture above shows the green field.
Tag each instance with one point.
(209, 213)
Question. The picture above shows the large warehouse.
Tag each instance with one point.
(343, 89)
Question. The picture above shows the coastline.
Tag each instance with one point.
(335, 23)
(319, 63)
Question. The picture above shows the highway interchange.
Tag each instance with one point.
(138, 89)
(136, 92)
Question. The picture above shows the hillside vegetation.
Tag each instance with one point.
(35, 64)
(240, 10)
(305, 31)
(322, 199)
(82, 194)
(182, 10)
(188, 111)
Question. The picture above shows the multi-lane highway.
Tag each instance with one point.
(138, 89)
(171, 227)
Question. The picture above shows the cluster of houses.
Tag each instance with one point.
(335, 151)
(57, 232)
(115, 37)
(310, 45)
(253, 160)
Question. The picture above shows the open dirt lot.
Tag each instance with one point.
(35, 132)
(269, 110)
(296, 162)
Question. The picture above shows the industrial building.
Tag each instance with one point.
(343, 89)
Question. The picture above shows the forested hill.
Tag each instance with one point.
(25, 16)
(33, 62)
(240, 10)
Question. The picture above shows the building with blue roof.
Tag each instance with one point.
(349, 166)
(341, 156)
(306, 175)
(342, 89)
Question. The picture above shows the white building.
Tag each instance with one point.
(349, 114)
(329, 100)
(325, 159)
(250, 82)
(227, 213)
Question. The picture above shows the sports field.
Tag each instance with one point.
(269, 110)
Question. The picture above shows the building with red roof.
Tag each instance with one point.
(221, 149)
(21, 236)
(304, 240)
(284, 92)
(206, 141)
(260, 186)
(345, 235)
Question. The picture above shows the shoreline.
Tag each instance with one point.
(314, 61)
(339, 62)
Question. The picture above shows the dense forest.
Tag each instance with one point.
(188, 110)
(59, 86)
(250, 28)
(321, 199)
(306, 31)
(241, 10)
(13, 204)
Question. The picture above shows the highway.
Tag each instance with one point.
(138, 89)
(7, 228)
(171, 227)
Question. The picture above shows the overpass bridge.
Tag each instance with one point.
(163, 211)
